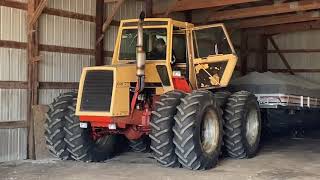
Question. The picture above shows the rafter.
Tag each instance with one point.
(38, 12)
(275, 20)
(295, 6)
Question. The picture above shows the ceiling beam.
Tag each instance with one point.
(275, 20)
(295, 6)
(287, 28)
(183, 5)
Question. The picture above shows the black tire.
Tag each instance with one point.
(241, 107)
(140, 145)
(161, 129)
(221, 97)
(188, 134)
(81, 145)
(55, 121)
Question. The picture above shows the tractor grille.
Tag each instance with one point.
(97, 91)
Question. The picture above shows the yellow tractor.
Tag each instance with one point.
(164, 90)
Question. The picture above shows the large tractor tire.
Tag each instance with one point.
(55, 121)
(162, 123)
(221, 98)
(198, 131)
(140, 145)
(242, 125)
(82, 145)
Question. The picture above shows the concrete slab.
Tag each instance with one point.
(279, 159)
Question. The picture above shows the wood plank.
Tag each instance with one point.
(38, 12)
(13, 44)
(13, 4)
(13, 124)
(295, 51)
(282, 57)
(262, 60)
(295, 6)
(69, 14)
(243, 53)
(275, 20)
(58, 85)
(287, 28)
(99, 58)
(13, 85)
(69, 50)
(183, 5)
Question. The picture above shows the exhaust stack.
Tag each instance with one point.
(141, 54)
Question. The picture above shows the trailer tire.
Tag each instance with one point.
(81, 145)
(242, 125)
(161, 124)
(54, 124)
(198, 131)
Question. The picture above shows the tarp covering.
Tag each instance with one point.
(271, 83)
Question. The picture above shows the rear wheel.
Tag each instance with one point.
(84, 145)
(198, 131)
(140, 145)
(55, 121)
(161, 124)
(242, 125)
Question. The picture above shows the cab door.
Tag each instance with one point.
(213, 56)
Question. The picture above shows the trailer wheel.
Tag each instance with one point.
(198, 131)
(55, 121)
(242, 125)
(161, 129)
(140, 145)
(82, 145)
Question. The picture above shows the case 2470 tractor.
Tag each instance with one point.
(166, 85)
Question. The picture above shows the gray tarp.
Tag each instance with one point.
(270, 83)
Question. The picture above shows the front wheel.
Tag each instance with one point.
(242, 125)
(84, 145)
(198, 131)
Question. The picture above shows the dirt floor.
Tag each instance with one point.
(279, 158)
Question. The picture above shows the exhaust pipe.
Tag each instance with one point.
(141, 54)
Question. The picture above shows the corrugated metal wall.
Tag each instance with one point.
(298, 40)
(61, 31)
(54, 67)
(13, 67)
(128, 10)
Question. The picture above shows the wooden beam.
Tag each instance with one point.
(107, 23)
(13, 85)
(13, 124)
(282, 57)
(295, 6)
(287, 28)
(59, 85)
(262, 60)
(34, 10)
(243, 53)
(275, 20)
(295, 51)
(13, 4)
(183, 5)
(99, 58)
(68, 14)
(115, 9)
(38, 12)
(149, 8)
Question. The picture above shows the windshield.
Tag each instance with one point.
(210, 41)
(154, 42)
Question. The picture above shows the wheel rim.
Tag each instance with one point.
(210, 131)
(252, 126)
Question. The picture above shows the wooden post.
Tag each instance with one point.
(244, 52)
(149, 7)
(33, 79)
(262, 61)
(99, 23)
